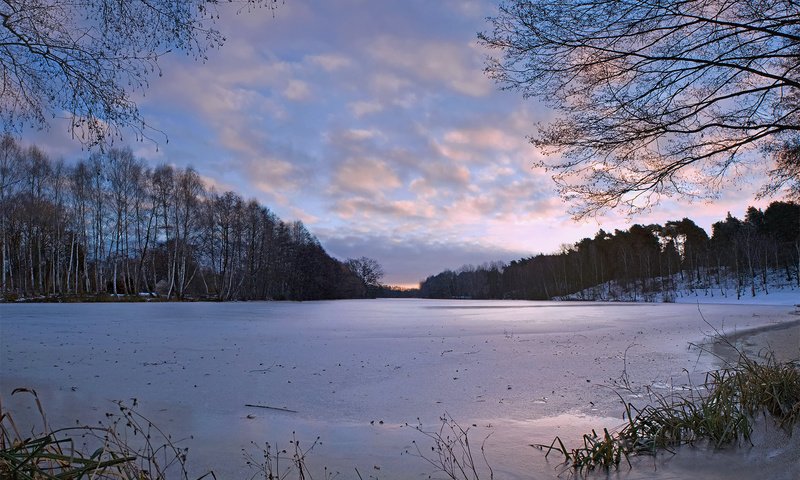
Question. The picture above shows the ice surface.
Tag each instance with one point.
(520, 371)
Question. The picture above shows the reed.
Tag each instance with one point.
(721, 416)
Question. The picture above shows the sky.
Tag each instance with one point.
(374, 124)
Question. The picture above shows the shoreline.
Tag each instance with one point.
(781, 340)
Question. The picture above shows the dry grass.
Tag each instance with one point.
(126, 447)
(451, 452)
(274, 463)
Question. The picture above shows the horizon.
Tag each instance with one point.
(375, 125)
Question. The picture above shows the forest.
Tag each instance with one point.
(109, 226)
(646, 262)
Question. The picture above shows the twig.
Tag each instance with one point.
(268, 369)
(280, 409)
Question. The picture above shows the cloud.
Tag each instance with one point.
(297, 90)
(473, 9)
(362, 108)
(489, 141)
(446, 174)
(374, 122)
(330, 62)
(303, 216)
(365, 176)
(389, 84)
(484, 138)
(422, 188)
(216, 184)
(456, 66)
(380, 209)
(361, 134)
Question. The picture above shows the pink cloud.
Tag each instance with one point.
(365, 176)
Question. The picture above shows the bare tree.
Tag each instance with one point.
(10, 180)
(110, 225)
(124, 177)
(656, 97)
(84, 59)
(367, 269)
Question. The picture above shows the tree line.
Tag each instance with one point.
(110, 225)
(646, 262)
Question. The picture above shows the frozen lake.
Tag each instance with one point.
(520, 371)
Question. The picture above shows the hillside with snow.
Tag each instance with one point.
(772, 288)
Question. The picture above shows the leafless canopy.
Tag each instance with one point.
(656, 97)
(83, 59)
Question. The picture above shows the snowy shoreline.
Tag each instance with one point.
(781, 341)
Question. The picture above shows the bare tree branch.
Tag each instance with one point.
(655, 97)
(83, 59)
